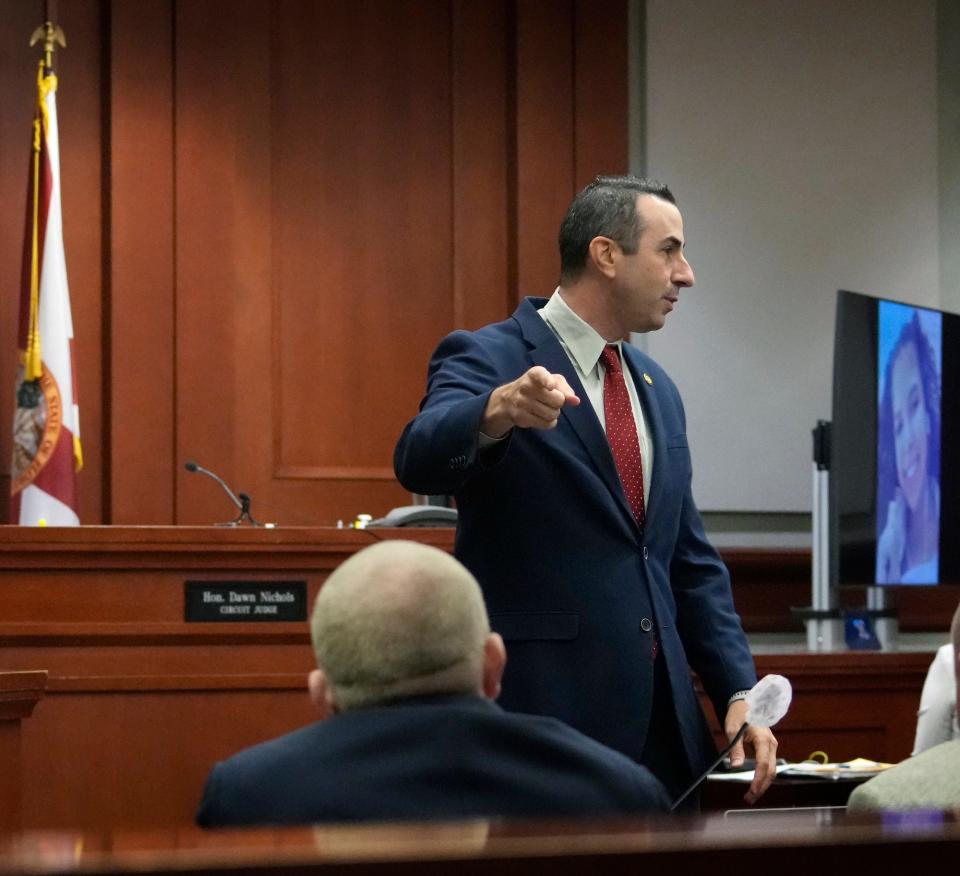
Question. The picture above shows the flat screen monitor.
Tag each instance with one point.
(895, 444)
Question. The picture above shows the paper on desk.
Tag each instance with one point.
(858, 768)
(745, 776)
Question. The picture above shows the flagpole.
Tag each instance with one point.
(51, 34)
(46, 428)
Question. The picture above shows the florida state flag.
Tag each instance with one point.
(46, 424)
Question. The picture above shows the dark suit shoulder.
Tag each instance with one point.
(535, 745)
(524, 324)
(442, 758)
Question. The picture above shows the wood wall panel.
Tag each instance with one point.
(768, 584)
(571, 120)
(141, 413)
(79, 105)
(222, 266)
(18, 71)
(273, 213)
(483, 280)
(152, 748)
(345, 214)
(544, 139)
(600, 90)
(363, 221)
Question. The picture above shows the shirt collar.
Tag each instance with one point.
(582, 341)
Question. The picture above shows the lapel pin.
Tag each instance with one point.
(648, 378)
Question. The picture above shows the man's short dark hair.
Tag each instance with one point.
(607, 207)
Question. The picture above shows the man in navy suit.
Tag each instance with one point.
(591, 553)
(407, 672)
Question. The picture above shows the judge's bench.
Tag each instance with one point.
(135, 657)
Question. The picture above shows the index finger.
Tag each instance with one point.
(765, 753)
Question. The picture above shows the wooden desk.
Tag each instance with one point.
(19, 694)
(847, 703)
(800, 843)
(140, 703)
(785, 792)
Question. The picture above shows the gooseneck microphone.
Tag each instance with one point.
(767, 702)
(241, 500)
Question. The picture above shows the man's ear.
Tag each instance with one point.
(602, 254)
(494, 662)
(321, 693)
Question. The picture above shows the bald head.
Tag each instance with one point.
(400, 619)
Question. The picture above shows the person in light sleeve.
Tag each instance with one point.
(927, 780)
(937, 715)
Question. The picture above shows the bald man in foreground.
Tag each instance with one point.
(407, 671)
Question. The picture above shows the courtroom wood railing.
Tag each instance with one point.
(140, 698)
(791, 844)
(19, 694)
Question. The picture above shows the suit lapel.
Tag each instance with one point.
(545, 350)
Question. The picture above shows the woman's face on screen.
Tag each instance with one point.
(911, 425)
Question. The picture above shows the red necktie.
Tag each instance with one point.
(622, 431)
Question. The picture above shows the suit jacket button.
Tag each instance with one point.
(646, 625)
